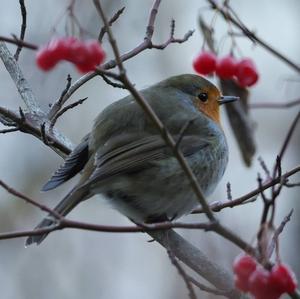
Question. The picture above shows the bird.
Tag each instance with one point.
(126, 159)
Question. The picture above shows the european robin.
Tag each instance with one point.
(125, 158)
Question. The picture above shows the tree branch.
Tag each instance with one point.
(216, 207)
(252, 36)
(18, 78)
(23, 28)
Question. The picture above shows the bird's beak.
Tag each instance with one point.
(227, 99)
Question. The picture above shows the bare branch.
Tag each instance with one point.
(251, 196)
(198, 261)
(289, 136)
(18, 42)
(144, 45)
(182, 132)
(21, 83)
(64, 110)
(110, 22)
(291, 185)
(23, 28)
(44, 136)
(251, 35)
(61, 145)
(29, 200)
(59, 103)
(9, 130)
(183, 274)
(228, 191)
(207, 289)
(152, 17)
(111, 83)
(265, 168)
(277, 232)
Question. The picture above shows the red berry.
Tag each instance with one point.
(260, 285)
(78, 52)
(58, 48)
(45, 59)
(85, 67)
(246, 73)
(96, 52)
(241, 284)
(226, 67)
(205, 63)
(85, 55)
(244, 265)
(283, 279)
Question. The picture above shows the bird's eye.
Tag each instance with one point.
(203, 96)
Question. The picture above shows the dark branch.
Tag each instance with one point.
(19, 42)
(64, 110)
(183, 274)
(277, 232)
(110, 22)
(9, 130)
(251, 196)
(59, 103)
(252, 36)
(23, 28)
(29, 200)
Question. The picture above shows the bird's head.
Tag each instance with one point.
(205, 95)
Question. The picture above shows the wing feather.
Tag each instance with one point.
(137, 155)
(73, 164)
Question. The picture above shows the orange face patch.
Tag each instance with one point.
(211, 106)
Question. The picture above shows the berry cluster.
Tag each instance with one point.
(85, 55)
(261, 283)
(244, 71)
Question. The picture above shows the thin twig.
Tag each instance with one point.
(44, 136)
(289, 135)
(152, 17)
(250, 196)
(111, 83)
(59, 103)
(64, 110)
(277, 232)
(23, 28)
(291, 185)
(183, 130)
(260, 186)
(277, 168)
(59, 144)
(228, 191)
(9, 130)
(252, 36)
(18, 42)
(144, 45)
(207, 289)
(265, 168)
(110, 22)
(174, 40)
(183, 274)
(28, 200)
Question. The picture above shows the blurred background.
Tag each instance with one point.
(80, 264)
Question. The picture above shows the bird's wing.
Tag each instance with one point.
(73, 164)
(134, 156)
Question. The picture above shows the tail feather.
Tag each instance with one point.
(63, 208)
